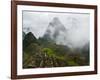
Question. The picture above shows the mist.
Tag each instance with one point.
(77, 26)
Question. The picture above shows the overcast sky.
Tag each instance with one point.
(77, 24)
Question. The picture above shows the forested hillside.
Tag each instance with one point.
(44, 52)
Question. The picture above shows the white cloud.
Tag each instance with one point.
(77, 25)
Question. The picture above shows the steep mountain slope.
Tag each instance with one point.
(56, 32)
(28, 39)
(52, 50)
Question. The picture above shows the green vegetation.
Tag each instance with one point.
(42, 52)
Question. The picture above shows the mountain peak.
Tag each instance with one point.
(57, 24)
(55, 21)
(28, 39)
(30, 33)
(56, 31)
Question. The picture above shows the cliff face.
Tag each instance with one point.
(56, 32)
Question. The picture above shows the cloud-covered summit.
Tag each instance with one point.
(65, 28)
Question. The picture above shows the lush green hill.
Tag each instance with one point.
(45, 52)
